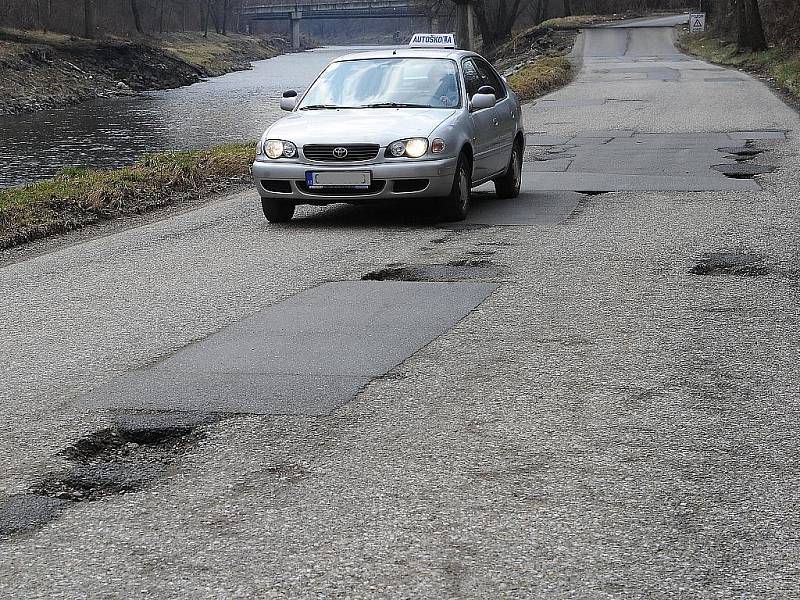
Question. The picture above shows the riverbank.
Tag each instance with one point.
(779, 67)
(49, 70)
(81, 197)
(535, 60)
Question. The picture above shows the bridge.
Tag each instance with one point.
(348, 9)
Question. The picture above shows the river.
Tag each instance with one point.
(113, 132)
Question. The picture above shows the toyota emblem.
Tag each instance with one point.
(340, 152)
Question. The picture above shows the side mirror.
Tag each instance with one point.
(289, 100)
(481, 101)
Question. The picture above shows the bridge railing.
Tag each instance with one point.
(328, 6)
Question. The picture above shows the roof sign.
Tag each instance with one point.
(433, 40)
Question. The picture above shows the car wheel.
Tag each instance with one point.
(507, 186)
(277, 210)
(455, 205)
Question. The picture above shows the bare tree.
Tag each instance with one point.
(750, 27)
(541, 11)
(137, 16)
(495, 19)
(225, 6)
(89, 19)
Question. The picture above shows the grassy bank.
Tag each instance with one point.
(534, 60)
(80, 197)
(43, 70)
(780, 65)
(541, 76)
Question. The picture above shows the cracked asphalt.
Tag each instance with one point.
(606, 424)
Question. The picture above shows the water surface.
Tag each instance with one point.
(112, 132)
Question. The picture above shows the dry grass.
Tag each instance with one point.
(79, 197)
(214, 54)
(575, 22)
(540, 77)
(781, 65)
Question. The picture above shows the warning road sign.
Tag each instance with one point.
(697, 22)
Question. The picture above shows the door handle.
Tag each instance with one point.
(496, 122)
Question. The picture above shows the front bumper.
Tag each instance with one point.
(406, 179)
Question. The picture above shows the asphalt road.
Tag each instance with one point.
(617, 419)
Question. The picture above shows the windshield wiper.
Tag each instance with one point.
(324, 106)
(396, 105)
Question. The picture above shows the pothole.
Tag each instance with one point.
(743, 171)
(116, 461)
(741, 151)
(125, 458)
(457, 270)
(730, 263)
(592, 192)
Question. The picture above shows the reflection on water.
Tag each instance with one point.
(112, 132)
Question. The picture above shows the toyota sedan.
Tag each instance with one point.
(393, 124)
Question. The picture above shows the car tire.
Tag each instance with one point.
(455, 205)
(508, 185)
(277, 210)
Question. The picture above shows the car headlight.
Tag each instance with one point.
(412, 148)
(279, 148)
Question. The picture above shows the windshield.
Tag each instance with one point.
(386, 83)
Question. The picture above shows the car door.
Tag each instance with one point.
(505, 116)
(485, 131)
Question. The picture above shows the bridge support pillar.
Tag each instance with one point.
(296, 17)
(465, 29)
(433, 24)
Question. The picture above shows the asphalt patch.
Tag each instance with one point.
(306, 355)
(27, 512)
(730, 263)
(458, 270)
(743, 171)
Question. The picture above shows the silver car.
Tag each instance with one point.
(393, 124)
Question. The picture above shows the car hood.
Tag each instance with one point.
(358, 126)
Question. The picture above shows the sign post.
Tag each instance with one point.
(697, 22)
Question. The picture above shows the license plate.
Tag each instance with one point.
(359, 180)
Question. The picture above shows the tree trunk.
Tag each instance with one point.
(567, 8)
(89, 19)
(541, 11)
(212, 9)
(161, 18)
(206, 11)
(48, 13)
(137, 16)
(225, 7)
(751, 29)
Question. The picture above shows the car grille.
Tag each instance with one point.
(355, 152)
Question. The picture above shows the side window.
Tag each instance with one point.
(472, 78)
(489, 77)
